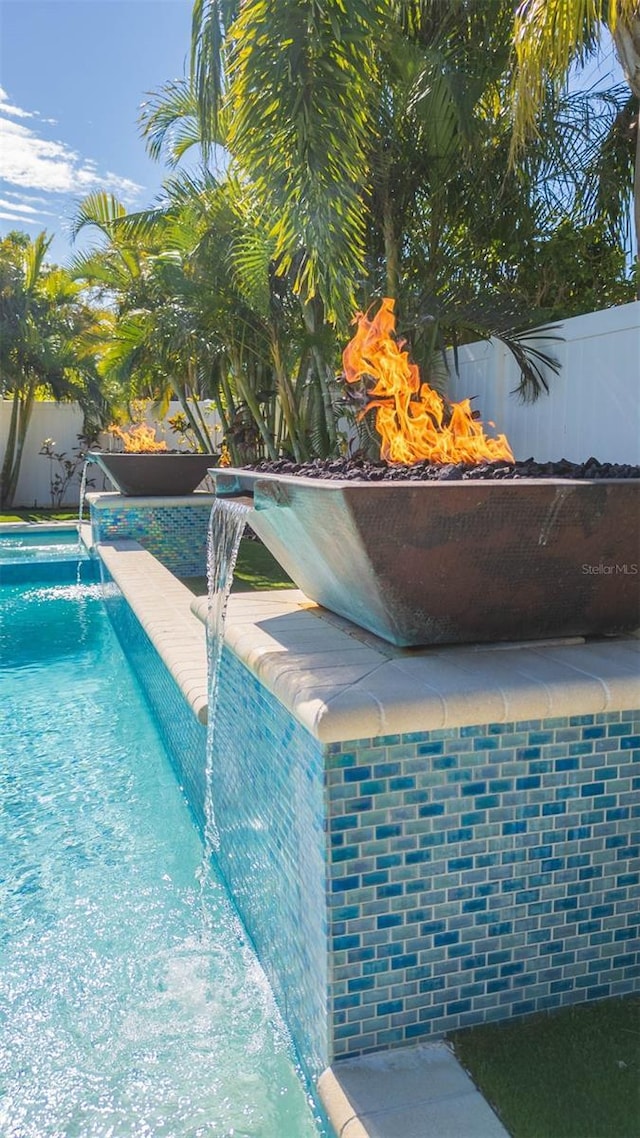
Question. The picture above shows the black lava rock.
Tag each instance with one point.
(359, 469)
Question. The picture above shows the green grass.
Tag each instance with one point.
(255, 569)
(570, 1074)
(40, 516)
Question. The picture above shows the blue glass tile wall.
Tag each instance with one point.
(176, 535)
(184, 736)
(268, 795)
(479, 873)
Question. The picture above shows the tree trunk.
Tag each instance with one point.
(248, 397)
(20, 419)
(627, 42)
(313, 316)
(7, 463)
(192, 413)
(287, 400)
(391, 252)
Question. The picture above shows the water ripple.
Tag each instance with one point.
(126, 1009)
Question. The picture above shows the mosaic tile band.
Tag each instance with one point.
(175, 534)
(268, 795)
(474, 874)
(479, 873)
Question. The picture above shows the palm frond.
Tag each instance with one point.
(534, 363)
(210, 21)
(302, 82)
(34, 255)
(608, 177)
(499, 317)
(99, 209)
(169, 121)
(548, 36)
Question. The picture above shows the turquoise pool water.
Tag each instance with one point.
(40, 544)
(130, 1003)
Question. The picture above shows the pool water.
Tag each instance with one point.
(40, 544)
(130, 1003)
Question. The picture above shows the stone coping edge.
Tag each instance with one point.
(344, 684)
(109, 500)
(420, 1091)
(340, 1112)
(29, 527)
(162, 604)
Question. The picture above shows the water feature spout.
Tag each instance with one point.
(226, 526)
(83, 490)
(88, 460)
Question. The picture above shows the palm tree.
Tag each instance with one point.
(43, 349)
(148, 343)
(549, 37)
(241, 237)
(419, 166)
(367, 151)
(203, 315)
(297, 87)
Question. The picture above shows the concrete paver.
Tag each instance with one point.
(414, 1092)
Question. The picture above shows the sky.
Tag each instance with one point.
(73, 74)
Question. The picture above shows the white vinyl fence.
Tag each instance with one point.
(62, 422)
(593, 405)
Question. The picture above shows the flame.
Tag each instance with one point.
(138, 440)
(414, 421)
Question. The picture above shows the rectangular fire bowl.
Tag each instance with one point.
(154, 475)
(422, 563)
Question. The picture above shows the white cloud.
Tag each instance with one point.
(18, 217)
(20, 207)
(6, 107)
(35, 163)
(30, 199)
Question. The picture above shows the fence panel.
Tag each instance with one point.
(593, 406)
(62, 422)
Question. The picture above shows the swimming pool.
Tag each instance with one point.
(132, 1003)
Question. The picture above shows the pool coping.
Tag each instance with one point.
(113, 499)
(418, 1092)
(29, 527)
(342, 683)
(162, 604)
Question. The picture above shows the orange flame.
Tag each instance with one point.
(410, 415)
(138, 440)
